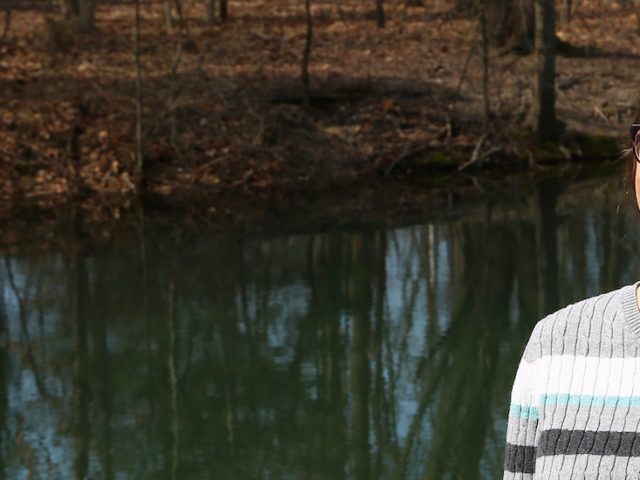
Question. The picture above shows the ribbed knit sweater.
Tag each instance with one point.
(575, 403)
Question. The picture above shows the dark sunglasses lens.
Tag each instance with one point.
(636, 145)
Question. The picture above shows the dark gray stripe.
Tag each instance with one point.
(519, 459)
(574, 442)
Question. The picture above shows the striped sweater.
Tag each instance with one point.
(575, 403)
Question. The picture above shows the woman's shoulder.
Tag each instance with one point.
(582, 327)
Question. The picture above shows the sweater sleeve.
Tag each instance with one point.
(522, 423)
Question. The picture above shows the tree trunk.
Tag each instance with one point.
(223, 9)
(380, 13)
(139, 136)
(512, 22)
(69, 8)
(87, 15)
(209, 12)
(544, 111)
(306, 54)
(485, 61)
(7, 24)
(175, 84)
(5, 30)
(567, 11)
(168, 15)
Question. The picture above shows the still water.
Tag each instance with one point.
(370, 353)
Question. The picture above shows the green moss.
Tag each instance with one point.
(438, 158)
(578, 145)
(548, 152)
(597, 146)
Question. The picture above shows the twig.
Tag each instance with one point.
(448, 127)
(490, 152)
(199, 172)
(475, 156)
(475, 182)
(569, 83)
(403, 156)
(463, 74)
(601, 114)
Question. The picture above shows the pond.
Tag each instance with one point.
(361, 353)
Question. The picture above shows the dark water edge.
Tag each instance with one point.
(365, 203)
(364, 351)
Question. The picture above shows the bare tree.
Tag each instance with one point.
(5, 29)
(512, 22)
(568, 6)
(86, 15)
(139, 135)
(83, 11)
(168, 13)
(380, 13)
(209, 11)
(175, 87)
(307, 54)
(544, 109)
(7, 23)
(485, 60)
(223, 9)
(69, 8)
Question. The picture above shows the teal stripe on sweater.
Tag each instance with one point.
(594, 400)
(523, 411)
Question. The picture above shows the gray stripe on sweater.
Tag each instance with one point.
(587, 467)
(521, 431)
(584, 417)
(575, 330)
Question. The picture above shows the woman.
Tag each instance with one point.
(575, 404)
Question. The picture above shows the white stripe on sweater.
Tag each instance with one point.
(572, 375)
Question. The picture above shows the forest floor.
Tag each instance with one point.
(395, 114)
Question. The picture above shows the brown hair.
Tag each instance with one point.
(631, 160)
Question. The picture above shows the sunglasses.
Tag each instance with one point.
(635, 140)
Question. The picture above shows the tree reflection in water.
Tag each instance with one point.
(369, 354)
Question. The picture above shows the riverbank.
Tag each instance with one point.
(358, 206)
(395, 112)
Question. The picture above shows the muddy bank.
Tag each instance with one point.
(371, 204)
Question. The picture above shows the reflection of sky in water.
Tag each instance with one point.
(592, 252)
(288, 305)
(442, 285)
(38, 424)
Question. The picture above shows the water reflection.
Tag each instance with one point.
(374, 354)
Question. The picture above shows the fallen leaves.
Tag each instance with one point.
(69, 117)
